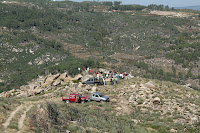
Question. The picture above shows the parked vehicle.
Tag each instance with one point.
(74, 98)
(96, 96)
(93, 81)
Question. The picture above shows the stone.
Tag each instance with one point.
(86, 77)
(150, 85)
(173, 130)
(12, 91)
(56, 82)
(156, 100)
(133, 86)
(38, 91)
(67, 79)
(194, 119)
(8, 95)
(78, 77)
(94, 89)
(23, 94)
(62, 76)
(50, 79)
(30, 93)
(63, 83)
(67, 131)
(130, 100)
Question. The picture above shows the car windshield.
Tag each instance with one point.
(100, 95)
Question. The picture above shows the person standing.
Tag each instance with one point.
(111, 81)
(116, 80)
(79, 70)
(104, 81)
(97, 75)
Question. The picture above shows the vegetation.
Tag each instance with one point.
(38, 37)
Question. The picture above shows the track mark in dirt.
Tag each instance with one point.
(11, 116)
(22, 118)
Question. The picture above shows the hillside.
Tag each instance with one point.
(154, 44)
(189, 7)
(132, 109)
(42, 37)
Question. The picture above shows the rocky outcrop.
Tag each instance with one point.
(150, 85)
(156, 100)
(94, 89)
(50, 79)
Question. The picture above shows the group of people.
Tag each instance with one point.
(113, 76)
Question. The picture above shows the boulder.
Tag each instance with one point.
(63, 83)
(78, 77)
(67, 131)
(23, 94)
(30, 93)
(94, 89)
(194, 119)
(133, 86)
(150, 85)
(173, 130)
(56, 82)
(62, 76)
(67, 79)
(38, 91)
(12, 91)
(130, 100)
(156, 100)
(50, 79)
(8, 95)
(86, 77)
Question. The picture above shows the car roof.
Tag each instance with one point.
(74, 94)
(96, 93)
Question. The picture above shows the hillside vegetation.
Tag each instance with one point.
(41, 37)
(131, 109)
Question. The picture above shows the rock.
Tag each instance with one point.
(23, 94)
(173, 130)
(88, 88)
(67, 79)
(50, 79)
(56, 82)
(135, 121)
(188, 85)
(194, 119)
(12, 91)
(38, 91)
(94, 89)
(80, 85)
(156, 100)
(62, 76)
(67, 131)
(78, 77)
(8, 95)
(30, 93)
(150, 85)
(63, 83)
(86, 77)
(130, 100)
(67, 87)
(133, 86)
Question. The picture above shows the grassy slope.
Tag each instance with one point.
(178, 107)
(97, 35)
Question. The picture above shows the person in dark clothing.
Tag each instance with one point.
(111, 81)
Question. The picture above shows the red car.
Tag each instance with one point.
(75, 98)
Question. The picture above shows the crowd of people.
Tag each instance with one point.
(110, 76)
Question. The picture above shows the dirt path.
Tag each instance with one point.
(22, 118)
(25, 107)
(11, 116)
